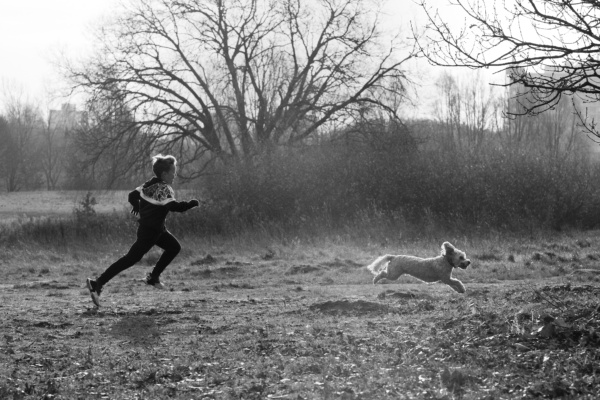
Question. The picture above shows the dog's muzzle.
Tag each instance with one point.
(464, 264)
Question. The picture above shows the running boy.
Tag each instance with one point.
(152, 202)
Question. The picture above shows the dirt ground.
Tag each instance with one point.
(207, 341)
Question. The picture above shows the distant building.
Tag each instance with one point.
(66, 119)
(563, 112)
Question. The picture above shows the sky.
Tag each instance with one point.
(33, 32)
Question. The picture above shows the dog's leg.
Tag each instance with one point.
(456, 285)
(383, 274)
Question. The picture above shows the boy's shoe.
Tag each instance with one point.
(95, 290)
(153, 282)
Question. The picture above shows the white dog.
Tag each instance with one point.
(436, 269)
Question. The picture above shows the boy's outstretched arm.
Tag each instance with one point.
(182, 206)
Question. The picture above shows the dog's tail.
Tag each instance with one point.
(379, 264)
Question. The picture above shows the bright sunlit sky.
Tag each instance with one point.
(33, 32)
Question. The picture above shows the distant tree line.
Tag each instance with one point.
(465, 168)
(290, 110)
(46, 149)
(467, 161)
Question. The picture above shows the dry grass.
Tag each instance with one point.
(229, 330)
(24, 205)
(262, 315)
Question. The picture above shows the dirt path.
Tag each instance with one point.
(347, 342)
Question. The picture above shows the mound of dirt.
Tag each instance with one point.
(301, 269)
(547, 257)
(396, 295)
(208, 260)
(41, 285)
(231, 269)
(357, 307)
(569, 288)
(337, 263)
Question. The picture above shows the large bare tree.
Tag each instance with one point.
(229, 78)
(548, 48)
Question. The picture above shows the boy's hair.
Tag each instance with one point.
(162, 164)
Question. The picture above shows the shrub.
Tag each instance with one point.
(336, 182)
(85, 209)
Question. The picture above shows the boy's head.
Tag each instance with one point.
(164, 167)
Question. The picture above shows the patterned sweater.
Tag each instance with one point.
(153, 201)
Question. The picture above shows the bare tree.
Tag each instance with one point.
(54, 139)
(19, 145)
(548, 48)
(233, 77)
(5, 143)
(108, 144)
(52, 155)
(555, 133)
(467, 111)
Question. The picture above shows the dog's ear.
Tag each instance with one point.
(447, 249)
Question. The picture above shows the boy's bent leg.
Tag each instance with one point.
(171, 248)
(143, 244)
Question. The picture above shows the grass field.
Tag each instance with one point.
(32, 204)
(260, 316)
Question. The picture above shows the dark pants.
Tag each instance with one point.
(146, 239)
